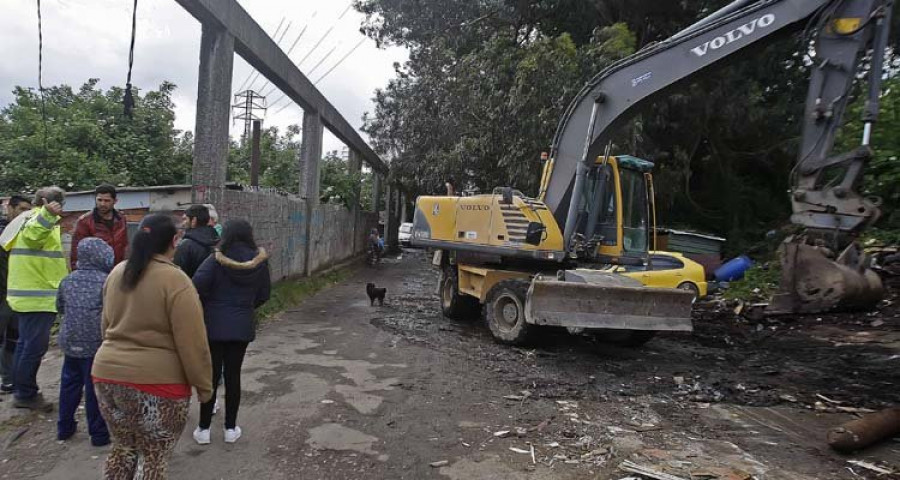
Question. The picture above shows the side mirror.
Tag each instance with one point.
(506, 196)
(535, 233)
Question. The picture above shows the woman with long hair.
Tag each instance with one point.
(154, 350)
(232, 283)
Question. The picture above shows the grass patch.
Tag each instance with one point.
(758, 284)
(288, 294)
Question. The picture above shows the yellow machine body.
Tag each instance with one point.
(487, 224)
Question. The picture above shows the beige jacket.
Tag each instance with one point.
(154, 334)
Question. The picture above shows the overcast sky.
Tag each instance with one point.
(89, 38)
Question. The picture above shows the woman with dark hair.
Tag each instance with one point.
(154, 350)
(232, 283)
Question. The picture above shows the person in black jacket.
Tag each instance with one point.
(9, 330)
(232, 283)
(199, 240)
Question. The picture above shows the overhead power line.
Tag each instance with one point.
(288, 53)
(277, 42)
(338, 64)
(317, 65)
(244, 83)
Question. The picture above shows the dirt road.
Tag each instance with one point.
(336, 389)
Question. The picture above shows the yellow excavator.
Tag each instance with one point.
(547, 261)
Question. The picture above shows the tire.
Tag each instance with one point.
(625, 338)
(455, 305)
(505, 312)
(690, 287)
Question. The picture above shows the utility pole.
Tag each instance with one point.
(255, 154)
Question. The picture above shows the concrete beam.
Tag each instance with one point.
(311, 157)
(210, 165)
(256, 47)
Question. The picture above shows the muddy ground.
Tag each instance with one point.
(336, 389)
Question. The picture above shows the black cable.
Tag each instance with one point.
(41, 72)
(128, 101)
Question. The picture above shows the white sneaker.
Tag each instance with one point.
(232, 434)
(216, 407)
(201, 436)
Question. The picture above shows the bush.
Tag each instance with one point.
(759, 283)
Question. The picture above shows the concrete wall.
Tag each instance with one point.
(280, 225)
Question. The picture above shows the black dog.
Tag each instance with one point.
(375, 294)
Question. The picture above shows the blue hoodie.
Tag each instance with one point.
(80, 299)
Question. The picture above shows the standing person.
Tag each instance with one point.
(199, 239)
(214, 218)
(154, 349)
(450, 185)
(232, 284)
(80, 302)
(103, 222)
(36, 266)
(9, 329)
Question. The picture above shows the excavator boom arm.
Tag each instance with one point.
(616, 93)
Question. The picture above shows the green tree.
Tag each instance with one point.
(86, 140)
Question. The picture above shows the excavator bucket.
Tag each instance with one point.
(607, 301)
(813, 282)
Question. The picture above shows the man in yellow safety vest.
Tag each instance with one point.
(37, 265)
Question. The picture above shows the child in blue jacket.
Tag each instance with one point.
(80, 302)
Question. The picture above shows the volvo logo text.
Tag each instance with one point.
(474, 207)
(742, 31)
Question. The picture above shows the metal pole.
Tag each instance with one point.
(255, 154)
(882, 29)
(580, 176)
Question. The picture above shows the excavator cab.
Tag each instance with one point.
(617, 215)
(617, 224)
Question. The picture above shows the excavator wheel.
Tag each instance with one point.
(456, 305)
(504, 311)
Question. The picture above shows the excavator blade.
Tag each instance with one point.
(607, 301)
(812, 282)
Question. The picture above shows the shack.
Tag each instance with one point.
(701, 248)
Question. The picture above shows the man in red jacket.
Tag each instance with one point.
(103, 222)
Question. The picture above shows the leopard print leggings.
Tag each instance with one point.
(144, 428)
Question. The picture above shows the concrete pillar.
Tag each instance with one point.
(354, 167)
(211, 141)
(310, 161)
(311, 157)
(403, 203)
(391, 226)
(376, 192)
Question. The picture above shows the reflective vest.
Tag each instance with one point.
(37, 263)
